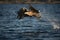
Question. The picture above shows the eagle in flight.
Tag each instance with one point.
(24, 12)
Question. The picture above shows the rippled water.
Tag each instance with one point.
(46, 28)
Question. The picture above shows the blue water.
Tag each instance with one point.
(45, 28)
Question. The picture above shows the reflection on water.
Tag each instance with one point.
(29, 28)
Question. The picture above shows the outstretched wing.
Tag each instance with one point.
(33, 9)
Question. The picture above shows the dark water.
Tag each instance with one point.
(47, 28)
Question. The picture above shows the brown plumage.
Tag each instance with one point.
(23, 12)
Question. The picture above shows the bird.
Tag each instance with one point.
(24, 12)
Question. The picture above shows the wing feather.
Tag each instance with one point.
(31, 8)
